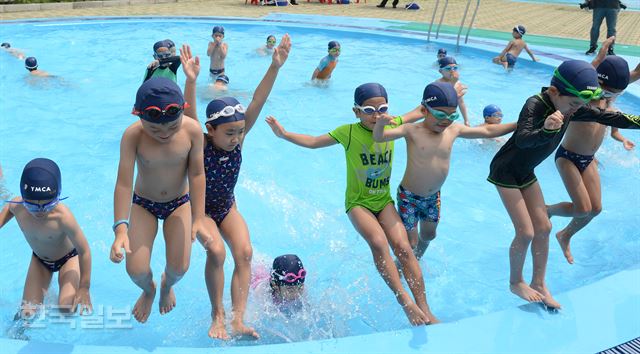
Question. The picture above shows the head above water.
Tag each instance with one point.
(159, 93)
(446, 61)
(520, 30)
(287, 270)
(31, 63)
(41, 180)
(333, 44)
(492, 111)
(6, 45)
(367, 91)
(223, 79)
(613, 73)
(442, 53)
(217, 30)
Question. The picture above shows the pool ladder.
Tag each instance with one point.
(464, 18)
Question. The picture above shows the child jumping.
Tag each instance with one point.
(510, 53)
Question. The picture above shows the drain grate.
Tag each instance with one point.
(630, 347)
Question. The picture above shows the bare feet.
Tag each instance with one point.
(548, 300)
(414, 314)
(564, 239)
(238, 329)
(142, 308)
(167, 298)
(217, 329)
(524, 291)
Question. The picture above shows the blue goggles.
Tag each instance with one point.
(439, 115)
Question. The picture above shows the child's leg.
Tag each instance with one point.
(177, 238)
(370, 229)
(427, 234)
(236, 233)
(68, 282)
(573, 182)
(394, 231)
(540, 245)
(35, 287)
(142, 232)
(517, 209)
(214, 277)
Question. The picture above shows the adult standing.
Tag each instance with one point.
(384, 3)
(603, 9)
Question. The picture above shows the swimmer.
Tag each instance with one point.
(328, 63)
(510, 53)
(267, 49)
(221, 83)
(13, 51)
(31, 64)
(165, 63)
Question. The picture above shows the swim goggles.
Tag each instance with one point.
(611, 95)
(162, 55)
(439, 115)
(271, 41)
(584, 95)
(383, 108)
(450, 68)
(496, 115)
(153, 113)
(290, 277)
(334, 50)
(227, 111)
(38, 208)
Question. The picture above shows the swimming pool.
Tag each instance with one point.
(465, 268)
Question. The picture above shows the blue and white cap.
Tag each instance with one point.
(520, 29)
(440, 94)
(223, 78)
(31, 63)
(217, 106)
(41, 180)
(442, 51)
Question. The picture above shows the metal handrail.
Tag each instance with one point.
(433, 17)
(464, 18)
(473, 19)
(446, 2)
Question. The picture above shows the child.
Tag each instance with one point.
(227, 124)
(575, 155)
(510, 53)
(442, 53)
(221, 83)
(14, 52)
(166, 64)
(55, 237)
(31, 64)
(167, 150)
(267, 48)
(541, 125)
(492, 114)
(287, 280)
(367, 198)
(429, 145)
(328, 63)
(217, 52)
(449, 71)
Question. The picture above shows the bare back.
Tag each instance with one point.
(516, 46)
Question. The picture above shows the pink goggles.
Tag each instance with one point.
(290, 277)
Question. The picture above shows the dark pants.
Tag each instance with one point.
(598, 15)
(384, 2)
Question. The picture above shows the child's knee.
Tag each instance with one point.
(543, 228)
(243, 254)
(216, 253)
(524, 234)
(427, 235)
(177, 270)
(379, 246)
(596, 209)
(138, 273)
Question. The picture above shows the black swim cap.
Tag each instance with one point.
(31, 63)
(287, 264)
(5, 45)
(41, 180)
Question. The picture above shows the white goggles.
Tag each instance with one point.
(227, 111)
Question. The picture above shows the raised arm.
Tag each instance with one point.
(380, 134)
(122, 194)
(626, 143)
(463, 110)
(79, 241)
(308, 141)
(191, 69)
(5, 214)
(602, 53)
(280, 55)
(485, 131)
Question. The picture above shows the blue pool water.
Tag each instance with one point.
(292, 198)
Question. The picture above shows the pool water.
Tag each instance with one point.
(292, 198)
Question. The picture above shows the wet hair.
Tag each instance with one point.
(6, 45)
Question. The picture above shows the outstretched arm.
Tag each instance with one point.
(613, 119)
(615, 134)
(191, 69)
(380, 134)
(486, 131)
(602, 53)
(308, 141)
(533, 57)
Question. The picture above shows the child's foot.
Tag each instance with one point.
(563, 240)
(415, 315)
(548, 300)
(526, 292)
(217, 329)
(167, 298)
(142, 308)
(238, 329)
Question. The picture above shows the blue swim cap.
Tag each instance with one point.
(41, 180)
(219, 104)
(31, 63)
(442, 51)
(286, 264)
(490, 110)
(579, 73)
(218, 29)
(223, 78)
(367, 91)
(440, 94)
(446, 61)
(159, 92)
(412, 6)
(158, 45)
(520, 29)
(5, 45)
(613, 72)
(169, 43)
(333, 44)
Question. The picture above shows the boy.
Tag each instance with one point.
(217, 51)
(328, 63)
(166, 64)
(167, 150)
(221, 83)
(367, 199)
(510, 53)
(429, 145)
(31, 64)
(55, 237)
(450, 74)
(14, 52)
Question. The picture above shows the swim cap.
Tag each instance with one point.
(169, 43)
(442, 51)
(218, 29)
(490, 110)
(446, 61)
(440, 94)
(31, 63)
(520, 29)
(613, 72)
(333, 44)
(412, 6)
(6, 45)
(159, 92)
(579, 73)
(218, 105)
(41, 180)
(367, 91)
(285, 264)
(223, 78)
(158, 45)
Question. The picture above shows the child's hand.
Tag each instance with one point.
(461, 90)
(83, 299)
(386, 119)
(190, 65)
(154, 64)
(628, 144)
(608, 42)
(198, 228)
(121, 241)
(554, 121)
(281, 52)
(278, 130)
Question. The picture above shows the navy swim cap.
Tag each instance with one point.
(333, 44)
(285, 264)
(223, 78)
(158, 45)
(490, 110)
(442, 51)
(218, 105)
(218, 29)
(159, 92)
(613, 72)
(169, 43)
(579, 73)
(446, 61)
(520, 29)
(440, 94)
(31, 63)
(41, 180)
(367, 91)
(412, 6)
(6, 45)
